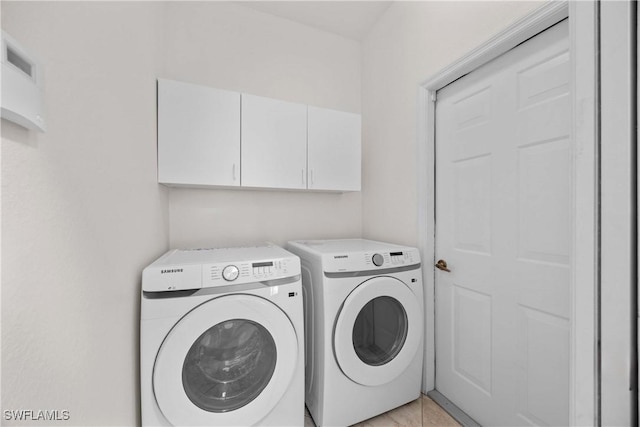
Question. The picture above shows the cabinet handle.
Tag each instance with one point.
(233, 171)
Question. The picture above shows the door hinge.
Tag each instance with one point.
(433, 96)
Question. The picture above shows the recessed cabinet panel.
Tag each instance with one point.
(334, 150)
(274, 148)
(198, 135)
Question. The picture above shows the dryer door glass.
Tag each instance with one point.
(229, 365)
(380, 331)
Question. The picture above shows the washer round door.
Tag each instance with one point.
(378, 331)
(227, 362)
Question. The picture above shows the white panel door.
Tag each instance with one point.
(334, 150)
(198, 135)
(504, 227)
(274, 143)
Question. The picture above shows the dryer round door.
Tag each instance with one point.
(378, 331)
(226, 362)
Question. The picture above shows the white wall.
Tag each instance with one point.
(411, 42)
(233, 47)
(81, 211)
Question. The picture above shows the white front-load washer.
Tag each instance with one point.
(363, 327)
(221, 338)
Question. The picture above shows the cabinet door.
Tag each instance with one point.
(334, 150)
(198, 135)
(274, 143)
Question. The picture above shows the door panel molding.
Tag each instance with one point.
(583, 37)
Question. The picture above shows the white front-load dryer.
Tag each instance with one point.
(221, 338)
(363, 327)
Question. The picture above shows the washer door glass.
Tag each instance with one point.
(229, 365)
(380, 331)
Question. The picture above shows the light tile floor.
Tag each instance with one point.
(409, 415)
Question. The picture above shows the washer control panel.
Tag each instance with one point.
(248, 272)
(184, 269)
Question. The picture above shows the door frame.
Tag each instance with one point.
(618, 215)
(585, 266)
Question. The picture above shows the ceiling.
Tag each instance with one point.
(351, 19)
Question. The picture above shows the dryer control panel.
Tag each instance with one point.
(389, 259)
(356, 255)
(370, 260)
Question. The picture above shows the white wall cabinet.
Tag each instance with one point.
(333, 150)
(210, 137)
(198, 135)
(274, 143)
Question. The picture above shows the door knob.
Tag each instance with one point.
(442, 265)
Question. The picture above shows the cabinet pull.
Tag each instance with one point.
(233, 171)
(302, 176)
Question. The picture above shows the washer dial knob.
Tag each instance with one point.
(230, 273)
(378, 260)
